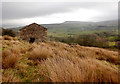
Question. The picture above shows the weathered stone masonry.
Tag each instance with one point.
(34, 32)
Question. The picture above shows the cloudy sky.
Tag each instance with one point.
(21, 13)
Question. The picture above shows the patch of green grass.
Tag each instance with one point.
(111, 43)
(66, 33)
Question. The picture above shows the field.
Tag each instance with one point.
(106, 30)
(71, 28)
(57, 62)
(75, 52)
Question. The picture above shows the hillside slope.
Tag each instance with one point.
(77, 27)
(57, 62)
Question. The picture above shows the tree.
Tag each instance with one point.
(8, 32)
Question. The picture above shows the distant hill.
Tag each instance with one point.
(75, 24)
(76, 27)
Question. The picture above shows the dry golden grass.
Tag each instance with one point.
(39, 53)
(9, 59)
(59, 62)
(20, 47)
(61, 49)
(96, 53)
(7, 37)
(10, 77)
(15, 38)
(78, 70)
(11, 53)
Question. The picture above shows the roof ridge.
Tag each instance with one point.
(32, 24)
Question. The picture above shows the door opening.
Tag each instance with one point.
(32, 40)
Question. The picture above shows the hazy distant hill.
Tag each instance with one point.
(79, 24)
(108, 23)
(76, 27)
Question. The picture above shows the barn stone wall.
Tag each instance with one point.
(33, 31)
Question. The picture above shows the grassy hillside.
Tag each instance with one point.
(57, 62)
(71, 28)
(97, 34)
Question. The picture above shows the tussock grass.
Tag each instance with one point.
(39, 53)
(58, 62)
(7, 37)
(9, 59)
(78, 70)
(83, 52)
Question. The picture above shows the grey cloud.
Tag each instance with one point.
(28, 9)
(18, 10)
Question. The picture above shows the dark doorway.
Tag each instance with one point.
(32, 40)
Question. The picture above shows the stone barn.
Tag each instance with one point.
(33, 33)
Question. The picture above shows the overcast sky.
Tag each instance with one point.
(55, 11)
